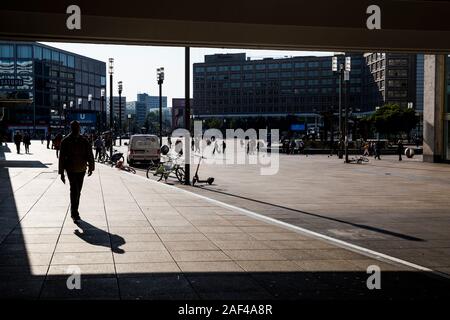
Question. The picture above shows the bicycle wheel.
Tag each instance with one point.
(151, 169)
(180, 174)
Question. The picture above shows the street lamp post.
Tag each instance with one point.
(160, 78)
(346, 79)
(120, 87)
(129, 124)
(344, 72)
(90, 100)
(102, 111)
(65, 115)
(111, 71)
(341, 76)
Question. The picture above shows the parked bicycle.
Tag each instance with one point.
(105, 158)
(169, 165)
(358, 160)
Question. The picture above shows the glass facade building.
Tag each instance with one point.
(391, 78)
(231, 84)
(57, 82)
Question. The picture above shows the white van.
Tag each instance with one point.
(143, 148)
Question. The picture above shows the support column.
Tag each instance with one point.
(433, 108)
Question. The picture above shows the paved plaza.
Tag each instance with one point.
(140, 239)
(398, 208)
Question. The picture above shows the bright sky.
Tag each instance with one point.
(136, 66)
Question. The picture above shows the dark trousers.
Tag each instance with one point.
(18, 147)
(98, 152)
(76, 184)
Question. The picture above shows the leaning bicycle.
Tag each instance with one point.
(359, 160)
(171, 166)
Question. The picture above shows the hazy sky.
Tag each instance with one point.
(136, 66)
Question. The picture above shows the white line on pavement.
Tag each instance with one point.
(341, 243)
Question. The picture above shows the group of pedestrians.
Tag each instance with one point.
(374, 148)
(20, 138)
(292, 146)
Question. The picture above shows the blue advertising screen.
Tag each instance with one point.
(298, 127)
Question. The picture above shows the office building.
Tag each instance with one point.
(117, 107)
(141, 113)
(391, 78)
(233, 85)
(151, 102)
(54, 86)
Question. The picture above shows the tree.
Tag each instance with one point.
(213, 123)
(364, 127)
(391, 119)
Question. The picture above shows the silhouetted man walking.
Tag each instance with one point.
(18, 141)
(399, 149)
(75, 156)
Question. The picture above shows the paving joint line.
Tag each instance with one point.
(181, 271)
(340, 243)
(24, 216)
(54, 251)
(109, 235)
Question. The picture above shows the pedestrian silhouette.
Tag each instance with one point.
(18, 140)
(27, 142)
(76, 156)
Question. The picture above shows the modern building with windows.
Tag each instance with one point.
(233, 85)
(58, 83)
(151, 102)
(141, 112)
(391, 78)
(118, 108)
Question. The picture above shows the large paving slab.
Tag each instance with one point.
(145, 240)
(397, 208)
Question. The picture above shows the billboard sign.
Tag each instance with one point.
(298, 127)
(84, 118)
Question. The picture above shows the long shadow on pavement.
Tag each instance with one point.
(15, 269)
(362, 226)
(96, 236)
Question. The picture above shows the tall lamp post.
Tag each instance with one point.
(129, 124)
(346, 79)
(111, 71)
(160, 78)
(63, 110)
(70, 110)
(119, 87)
(90, 100)
(102, 111)
(344, 71)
